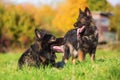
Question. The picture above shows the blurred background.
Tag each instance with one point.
(19, 18)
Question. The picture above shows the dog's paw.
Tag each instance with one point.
(60, 64)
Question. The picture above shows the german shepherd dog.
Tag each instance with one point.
(82, 39)
(40, 52)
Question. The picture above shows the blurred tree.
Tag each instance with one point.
(1, 20)
(67, 14)
(46, 14)
(104, 5)
(17, 23)
(115, 20)
(99, 5)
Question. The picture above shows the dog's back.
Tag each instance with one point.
(29, 57)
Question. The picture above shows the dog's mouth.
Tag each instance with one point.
(58, 49)
(80, 30)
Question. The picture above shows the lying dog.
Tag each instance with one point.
(82, 39)
(40, 53)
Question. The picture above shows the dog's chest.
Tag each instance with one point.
(88, 32)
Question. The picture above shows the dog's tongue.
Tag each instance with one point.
(58, 49)
(79, 30)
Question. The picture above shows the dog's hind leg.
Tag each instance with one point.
(92, 56)
(74, 56)
(66, 54)
(21, 61)
(73, 60)
(81, 55)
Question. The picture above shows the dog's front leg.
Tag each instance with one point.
(92, 56)
(81, 55)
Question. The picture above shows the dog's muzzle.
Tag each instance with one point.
(80, 30)
(58, 49)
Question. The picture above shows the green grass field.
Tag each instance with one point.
(106, 67)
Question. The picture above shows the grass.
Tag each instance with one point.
(106, 67)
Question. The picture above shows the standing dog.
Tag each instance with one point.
(82, 39)
(40, 53)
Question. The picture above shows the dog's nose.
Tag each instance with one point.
(75, 25)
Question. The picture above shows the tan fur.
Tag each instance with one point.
(73, 60)
(66, 60)
(42, 58)
(81, 55)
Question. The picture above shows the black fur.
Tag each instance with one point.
(78, 46)
(39, 53)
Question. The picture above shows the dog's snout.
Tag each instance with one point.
(75, 25)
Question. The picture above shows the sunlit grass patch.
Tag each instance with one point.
(106, 67)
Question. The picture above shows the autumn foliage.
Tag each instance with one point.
(67, 14)
(17, 22)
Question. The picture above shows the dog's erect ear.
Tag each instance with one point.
(80, 11)
(38, 33)
(87, 11)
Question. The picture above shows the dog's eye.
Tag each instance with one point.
(53, 39)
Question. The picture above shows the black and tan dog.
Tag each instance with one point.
(40, 53)
(82, 39)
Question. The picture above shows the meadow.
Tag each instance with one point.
(106, 67)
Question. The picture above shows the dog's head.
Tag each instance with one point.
(46, 41)
(44, 38)
(84, 20)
